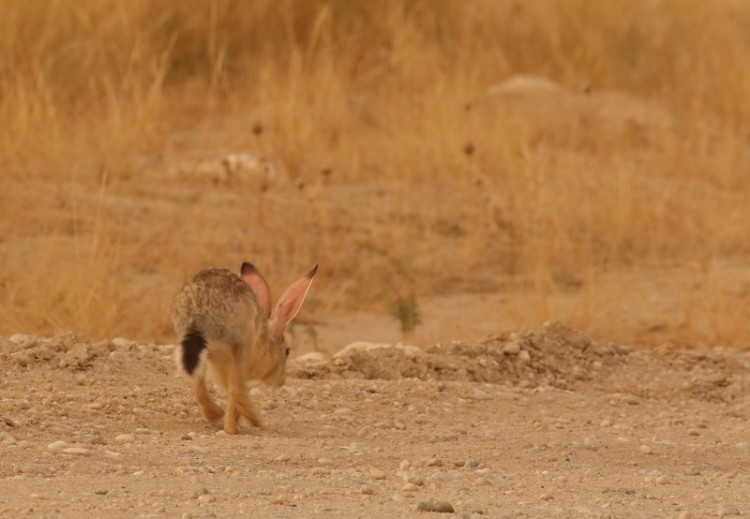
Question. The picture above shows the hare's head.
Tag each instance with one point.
(279, 317)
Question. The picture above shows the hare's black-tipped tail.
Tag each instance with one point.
(192, 345)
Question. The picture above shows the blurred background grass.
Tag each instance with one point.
(405, 163)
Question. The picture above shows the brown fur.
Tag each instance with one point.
(242, 343)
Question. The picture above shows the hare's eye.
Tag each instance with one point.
(287, 352)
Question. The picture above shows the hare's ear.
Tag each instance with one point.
(258, 285)
(290, 302)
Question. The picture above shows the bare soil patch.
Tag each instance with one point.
(543, 422)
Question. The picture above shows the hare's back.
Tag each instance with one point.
(216, 302)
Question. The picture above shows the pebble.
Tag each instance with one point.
(119, 342)
(7, 438)
(124, 438)
(8, 421)
(365, 431)
(545, 497)
(57, 445)
(415, 480)
(727, 510)
(443, 507)
(481, 395)
(686, 514)
(512, 346)
(101, 492)
(524, 356)
(77, 450)
(311, 358)
(404, 465)
(367, 490)
(591, 444)
(432, 462)
(326, 462)
(645, 449)
(409, 487)
(206, 499)
(377, 474)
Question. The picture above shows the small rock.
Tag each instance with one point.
(481, 395)
(366, 490)
(524, 356)
(365, 431)
(79, 352)
(326, 462)
(81, 451)
(513, 346)
(57, 445)
(404, 465)
(101, 492)
(433, 462)
(377, 474)
(443, 507)
(8, 421)
(207, 499)
(645, 449)
(7, 438)
(686, 514)
(119, 342)
(727, 510)
(124, 438)
(95, 439)
(409, 488)
(313, 357)
(415, 480)
(545, 497)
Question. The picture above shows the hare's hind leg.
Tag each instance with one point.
(210, 410)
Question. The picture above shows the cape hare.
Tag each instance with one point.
(228, 331)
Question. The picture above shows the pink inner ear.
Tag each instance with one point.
(258, 285)
(291, 301)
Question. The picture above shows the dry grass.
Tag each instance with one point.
(404, 175)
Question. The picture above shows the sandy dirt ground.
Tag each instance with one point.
(542, 422)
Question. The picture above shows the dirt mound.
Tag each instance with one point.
(552, 355)
(75, 352)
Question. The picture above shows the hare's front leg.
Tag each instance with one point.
(237, 402)
(210, 410)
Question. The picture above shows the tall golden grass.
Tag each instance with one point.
(405, 172)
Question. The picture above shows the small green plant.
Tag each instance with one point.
(406, 310)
